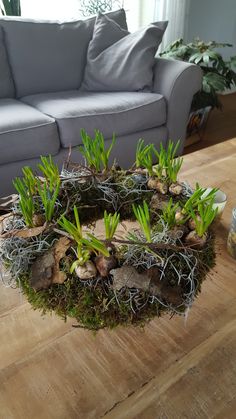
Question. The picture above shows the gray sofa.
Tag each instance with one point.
(42, 109)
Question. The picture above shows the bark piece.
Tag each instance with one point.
(24, 232)
(42, 271)
(60, 249)
(127, 276)
(7, 201)
(45, 270)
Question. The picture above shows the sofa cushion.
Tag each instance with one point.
(49, 56)
(25, 132)
(6, 82)
(118, 112)
(121, 61)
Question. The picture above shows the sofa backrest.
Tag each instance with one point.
(49, 56)
(7, 89)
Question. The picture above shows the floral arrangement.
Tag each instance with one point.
(155, 263)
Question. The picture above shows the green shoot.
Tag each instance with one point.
(83, 255)
(168, 166)
(172, 169)
(26, 201)
(91, 243)
(111, 222)
(75, 231)
(94, 152)
(144, 156)
(168, 213)
(48, 197)
(207, 215)
(30, 180)
(50, 171)
(95, 245)
(84, 246)
(159, 168)
(142, 214)
(197, 197)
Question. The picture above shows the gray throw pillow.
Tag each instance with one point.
(6, 83)
(121, 61)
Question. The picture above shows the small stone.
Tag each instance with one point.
(38, 220)
(193, 239)
(105, 264)
(86, 271)
(179, 216)
(151, 184)
(161, 187)
(175, 188)
(192, 223)
(158, 185)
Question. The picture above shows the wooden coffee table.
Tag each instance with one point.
(178, 368)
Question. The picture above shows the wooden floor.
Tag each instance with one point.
(172, 369)
(221, 125)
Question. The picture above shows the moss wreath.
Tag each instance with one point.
(127, 278)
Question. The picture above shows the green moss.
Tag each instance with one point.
(91, 307)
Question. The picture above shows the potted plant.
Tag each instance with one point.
(218, 75)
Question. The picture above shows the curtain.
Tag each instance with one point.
(175, 11)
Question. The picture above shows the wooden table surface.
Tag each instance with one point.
(173, 368)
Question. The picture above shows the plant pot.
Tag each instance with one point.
(196, 125)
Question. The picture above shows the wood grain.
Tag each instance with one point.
(172, 368)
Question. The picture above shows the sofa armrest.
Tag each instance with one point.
(177, 81)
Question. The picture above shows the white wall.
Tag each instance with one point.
(213, 20)
(69, 9)
(50, 9)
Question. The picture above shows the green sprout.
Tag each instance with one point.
(82, 254)
(142, 214)
(168, 165)
(94, 152)
(172, 169)
(29, 180)
(74, 230)
(85, 246)
(144, 156)
(159, 168)
(50, 171)
(206, 216)
(168, 213)
(95, 245)
(26, 200)
(111, 223)
(48, 197)
(197, 197)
